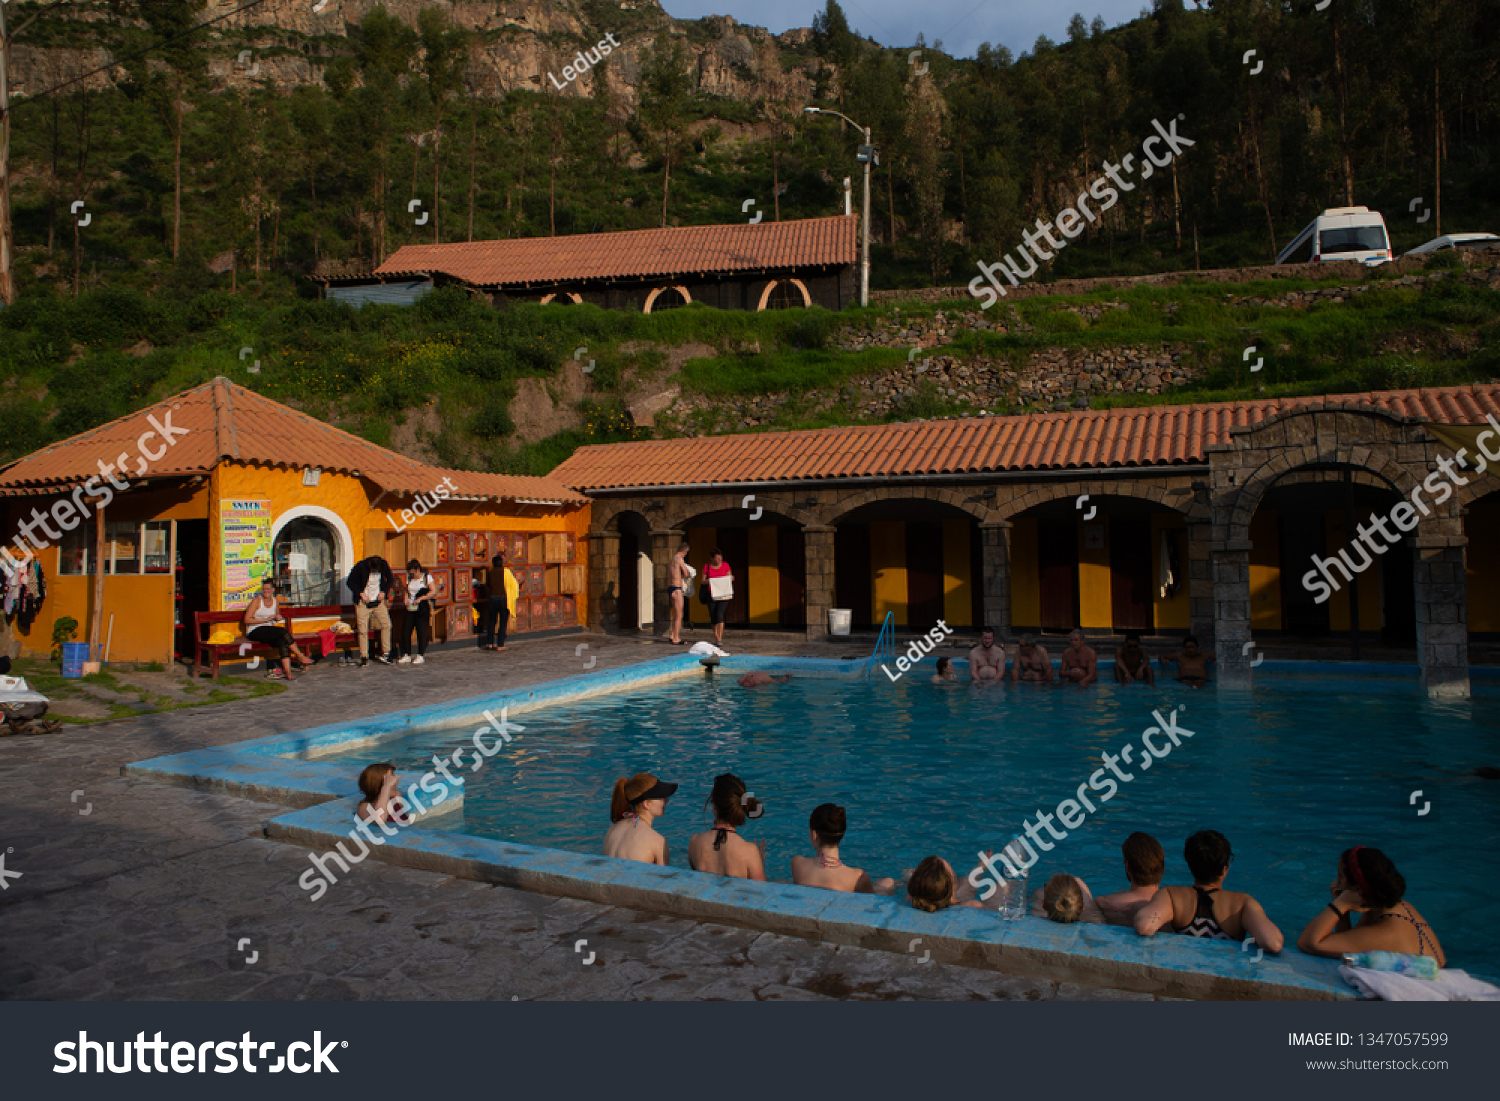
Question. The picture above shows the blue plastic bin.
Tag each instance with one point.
(74, 655)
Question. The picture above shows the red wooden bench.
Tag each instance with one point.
(209, 654)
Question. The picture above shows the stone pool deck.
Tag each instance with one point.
(147, 894)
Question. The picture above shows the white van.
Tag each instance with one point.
(1343, 233)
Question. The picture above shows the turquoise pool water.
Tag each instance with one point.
(1292, 773)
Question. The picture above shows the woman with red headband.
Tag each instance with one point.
(1369, 884)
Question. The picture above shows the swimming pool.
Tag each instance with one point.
(1292, 772)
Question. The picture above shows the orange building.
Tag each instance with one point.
(189, 504)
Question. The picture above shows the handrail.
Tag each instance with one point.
(884, 643)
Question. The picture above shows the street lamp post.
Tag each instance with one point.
(867, 154)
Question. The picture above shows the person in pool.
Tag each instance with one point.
(1368, 884)
(758, 678)
(1145, 861)
(635, 804)
(1080, 661)
(1192, 663)
(933, 886)
(1205, 909)
(381, 803)
(1065, 899)
(987, 661)
(945, 674)
(826, 826)
(721, 850)
(1132, 663)
(1032, 663)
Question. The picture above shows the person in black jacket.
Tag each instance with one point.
(371, 583)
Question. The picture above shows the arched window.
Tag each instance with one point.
(666, 298)
(305, 557)
(562, 298)
(785, 294)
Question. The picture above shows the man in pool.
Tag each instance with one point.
(987, 661)
(759, 678)
(1144, 863)
(1080, 661)
(1032, 663)
(1192, 663)
(1205, 909)
(679, 574)
(1132, 663)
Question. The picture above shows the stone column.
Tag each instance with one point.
(664, 544)
(994, 560)
(817, 550)
(1439, 562)
(1231, 588)
(1200, 583)
(604, 581)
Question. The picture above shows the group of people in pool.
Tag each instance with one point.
(1079, 664)
(1368, 910)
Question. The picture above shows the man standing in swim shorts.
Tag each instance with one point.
(677, 578)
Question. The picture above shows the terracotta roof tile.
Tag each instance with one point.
(634, 253)
(227, 421)
(1150, 436)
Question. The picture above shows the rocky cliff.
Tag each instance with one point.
(515, 44)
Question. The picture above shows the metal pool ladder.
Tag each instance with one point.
(885, 644)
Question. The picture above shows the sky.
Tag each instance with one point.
(961, 24)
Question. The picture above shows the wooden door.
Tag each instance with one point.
(1057, 567)
(791, 569)
(924, 574)
(851, 566)
(1130, 552)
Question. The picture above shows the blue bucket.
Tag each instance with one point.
(74, 655)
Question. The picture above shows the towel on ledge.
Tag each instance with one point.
(1451, 985)
(708, 649)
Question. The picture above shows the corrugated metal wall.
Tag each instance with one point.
(383, 294)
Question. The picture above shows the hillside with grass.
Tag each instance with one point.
(453, 381)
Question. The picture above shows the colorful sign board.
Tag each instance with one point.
(244, 550)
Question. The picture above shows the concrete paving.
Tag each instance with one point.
(134, 890)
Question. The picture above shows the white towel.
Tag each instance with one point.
(1451, 985)
(708, 649)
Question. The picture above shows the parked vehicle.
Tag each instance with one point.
(1342, 233)
(1455, 241)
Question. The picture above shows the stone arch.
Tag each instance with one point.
(1247, 500)
(765, 295)
(1181, 500)
(651, 298)
(685, 509)
(958, 498)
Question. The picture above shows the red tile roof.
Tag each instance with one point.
(225, 421)
(634, 253)
(1151, 436)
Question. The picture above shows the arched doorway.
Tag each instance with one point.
(1312, 572)
(666, 298)
(768, 558)
(635, 604)
(914, 557)
(1120, 565)
(305, 563)
(785, 294)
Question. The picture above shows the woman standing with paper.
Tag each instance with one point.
(719, 584)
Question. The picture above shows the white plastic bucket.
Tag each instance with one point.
(839, 620)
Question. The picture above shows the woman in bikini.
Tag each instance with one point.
(826, 826)
(635, 804)
(1368, 884)
(1205, 909)
(720, 849)
(262, 622)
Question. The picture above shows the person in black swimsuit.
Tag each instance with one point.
(1368, 884)
(1205, 909)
